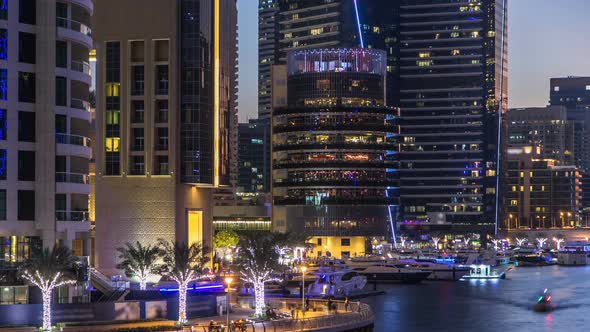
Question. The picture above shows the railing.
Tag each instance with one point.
(340, 315)
(81, 66)
(62, 215)
(80, 104)
(72, 139)
(66, 23)
(63, 177)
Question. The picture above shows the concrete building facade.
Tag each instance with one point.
(165, 110)
(540, 193)
(44, 127)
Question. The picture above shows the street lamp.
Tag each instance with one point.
(228, 281)
(303, 269)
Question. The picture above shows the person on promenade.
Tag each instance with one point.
(346, 304)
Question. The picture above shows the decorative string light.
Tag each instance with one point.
(183, 279)
(541, 241)
(520, 242)
(258, 277)
(47, 285)
(143, 275)
(436, 240)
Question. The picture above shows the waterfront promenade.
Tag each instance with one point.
(354, 316)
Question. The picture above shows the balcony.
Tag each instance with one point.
(74, 31)
(64, 177)
(82, 216)
(75, 183)
(80, 104)
(75, 145)
(81, 66)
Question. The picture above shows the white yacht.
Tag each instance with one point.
(393, 272)
(452, 272)
(338, 282)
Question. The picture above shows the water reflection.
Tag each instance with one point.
(503, 305)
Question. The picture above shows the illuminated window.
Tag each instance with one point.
(376, 30)
(513, 202)
(491, 172)
(513, 188)
(491, 34)
(587, 87)
(316, 31)
(542, 188)
(556, 88)
(531, 188)
(112, 117)
(531, 173)
(112, 89)
(424, 54)
(522, 174)
(474, 34)
(112, 144)
(295, 17)
(423, 63)
(521, 188)
(288, 35)
(455, 52)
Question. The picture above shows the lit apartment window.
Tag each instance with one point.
(587, 87)
(316, 31)
(556, 88)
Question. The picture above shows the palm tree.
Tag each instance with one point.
(258, 258)
(139, 261)
(49, 270)
(183, 263)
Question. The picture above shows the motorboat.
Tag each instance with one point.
(485, 272)
(450, 272)
(393, 272)
(544, 303)
(338, 282)
(534, 260)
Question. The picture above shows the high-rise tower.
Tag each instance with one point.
(452, 92)
(166, 109)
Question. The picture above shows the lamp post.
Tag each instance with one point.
(228, 281)
(303, 269)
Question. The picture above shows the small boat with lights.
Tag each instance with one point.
(334, 283)
(485, 272)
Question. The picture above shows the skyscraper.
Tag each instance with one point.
(452, 92)
(285, 25)
(166, 104)
(334, 160)
(44, 127)
(268, 34)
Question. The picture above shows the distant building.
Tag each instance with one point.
(544, 127)
(165, 120)
(574, 93)
(253, 160)
(334, 151)
(540, 194)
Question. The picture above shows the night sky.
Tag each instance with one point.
(547, 38)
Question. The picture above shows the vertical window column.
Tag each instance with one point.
(113, 109)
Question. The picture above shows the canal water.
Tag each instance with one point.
(481, 306)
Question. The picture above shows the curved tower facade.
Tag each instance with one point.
(334, 150)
